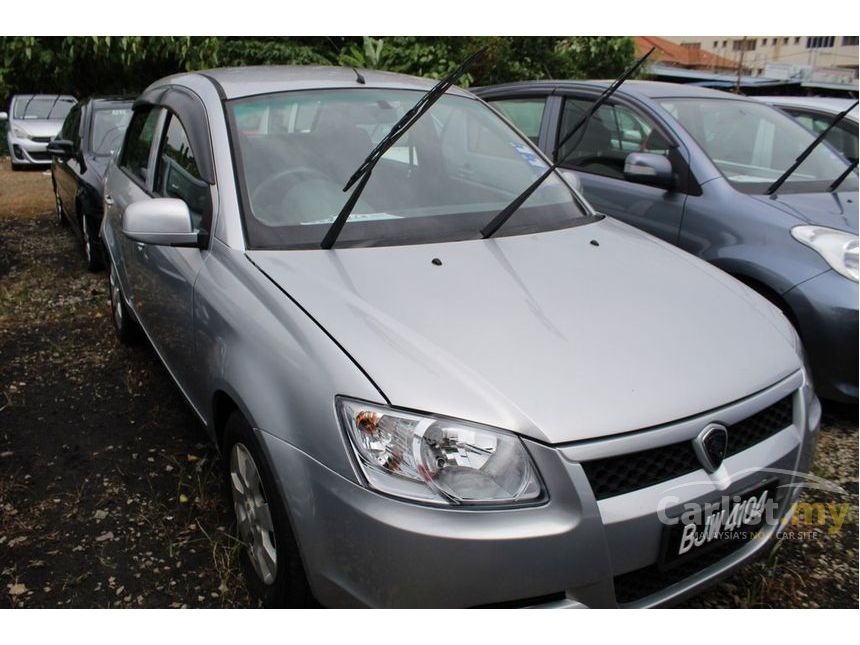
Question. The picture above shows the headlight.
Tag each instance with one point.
(838, 248)
(20, 134)
(437, 460)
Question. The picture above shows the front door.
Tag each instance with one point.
(164, 287)
(597, 153)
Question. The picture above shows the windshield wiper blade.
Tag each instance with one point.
(505, 214)
(803, 155)
(841, 178)
(397, 130)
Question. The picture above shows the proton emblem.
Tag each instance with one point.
(711, 446)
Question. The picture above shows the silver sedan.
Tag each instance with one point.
(412, 414)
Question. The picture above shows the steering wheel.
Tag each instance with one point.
(265, 200)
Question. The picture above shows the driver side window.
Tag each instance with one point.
(177, 175)
(601, 146)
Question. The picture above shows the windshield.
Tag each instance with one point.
(108, 128)
(753, 144)
(443, 180)
(43, 107)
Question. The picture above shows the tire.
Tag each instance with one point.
(270, 556)
(59, 215)
(127, 330)
(92, 245)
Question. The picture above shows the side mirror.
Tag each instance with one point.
(4, 116)
(163, 221)
(648, 168)
(571, 178)
(61, 148)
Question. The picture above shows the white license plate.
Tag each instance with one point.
(737, 519)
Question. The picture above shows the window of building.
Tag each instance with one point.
(817, 42)
(716, 44)
(773, 42)
(785, 40)
(746, 45)
(797, 40)
(850, 40)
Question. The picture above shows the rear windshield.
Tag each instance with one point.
(43, 107)
(753, 144)
(443, 180)
(109, 125)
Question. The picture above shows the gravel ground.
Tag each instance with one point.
(110, 495)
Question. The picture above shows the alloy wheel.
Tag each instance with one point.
(58, 208)
(88, 243)
(253, 514)
(115, 299)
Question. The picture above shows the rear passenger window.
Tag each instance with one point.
(526, 114)
(138, 142)
(177, 174)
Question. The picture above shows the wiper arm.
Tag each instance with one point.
(803, 155)
(505, 214)
(842, 177)
(397, 130)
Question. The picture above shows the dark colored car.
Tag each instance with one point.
(699, 168)
(91, 133)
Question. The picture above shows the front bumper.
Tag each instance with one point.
(361, 548)
(826, 311)
(28, 152)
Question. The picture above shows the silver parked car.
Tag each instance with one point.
(413, 414)
(33, 120)
(816, 113)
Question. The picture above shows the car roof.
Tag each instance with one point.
(111, 100)
(828, 104)
(237, 82)
(644, 89)
(43, 96)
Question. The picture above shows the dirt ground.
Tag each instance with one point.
(110, 495)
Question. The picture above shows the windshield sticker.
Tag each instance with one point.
(528, 155)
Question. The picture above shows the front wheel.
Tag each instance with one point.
(270, 556)
(127, 330)
(59, 215)
(92, 244)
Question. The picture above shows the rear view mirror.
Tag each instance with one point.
(61, 148)
(4, 116)
(163, 221)
(649, 168)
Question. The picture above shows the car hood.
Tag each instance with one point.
(836, 210)
(548, 335)
(39, 127)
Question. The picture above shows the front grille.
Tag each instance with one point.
(760, 426)
(625, 473)
(39, 156)
(649, 580)
(41, 139)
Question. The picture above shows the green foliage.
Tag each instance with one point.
(127, 64)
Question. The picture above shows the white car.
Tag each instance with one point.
(34, 119)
